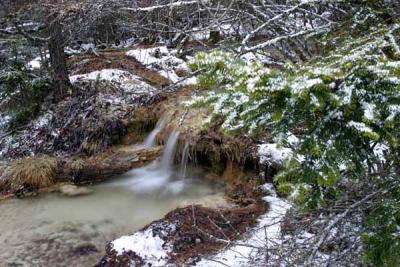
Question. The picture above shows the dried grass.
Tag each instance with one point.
(38, 172)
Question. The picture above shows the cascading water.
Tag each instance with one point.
(184, 160)
(158, 175)
(168, 156)
(151, 139)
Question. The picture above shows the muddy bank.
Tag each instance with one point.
(114, 59)
(116, 161)
(186, 235)
(77, 170)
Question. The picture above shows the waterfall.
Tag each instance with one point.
(184, 160)
(167, 159)
(151, 138)
(160, 175)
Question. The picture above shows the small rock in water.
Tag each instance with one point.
(85, 249)
(26, 191)
(73, 190)
(211, 201)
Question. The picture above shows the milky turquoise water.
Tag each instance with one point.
(56, 230)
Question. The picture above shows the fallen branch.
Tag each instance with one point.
(332, 223)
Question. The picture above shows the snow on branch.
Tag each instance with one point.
(170, 5)
(275, 18)
(288, 36)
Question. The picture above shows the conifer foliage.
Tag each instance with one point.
(345, 108)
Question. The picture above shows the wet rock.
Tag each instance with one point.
(85, 249)
(26, 191)
(211, 201)
(15, 264)
(108, 164)
(73, 190)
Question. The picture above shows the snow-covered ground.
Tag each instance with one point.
(147, 245)
(116, 98)
(266, 233)
(122, 79)
(36, 63)
(164, 61)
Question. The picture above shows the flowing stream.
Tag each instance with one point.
(56, 230)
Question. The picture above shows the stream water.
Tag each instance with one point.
(56, 230)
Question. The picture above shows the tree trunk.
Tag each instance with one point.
(58, 63)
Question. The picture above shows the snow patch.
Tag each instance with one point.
(42, 121)
(369, 109)
(200, 34)
(171, 5)
(267, 232)
(4, 120)
(273, 154)
(147, 245)
(88, 46)
(126, 81)
(265, 59)
(36, 63)
(149, 56)
(164, 61)
(303, 83)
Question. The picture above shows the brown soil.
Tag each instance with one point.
(202, 229)
(80, 64)
(198, 231)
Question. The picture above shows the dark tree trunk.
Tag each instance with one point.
(58, 63)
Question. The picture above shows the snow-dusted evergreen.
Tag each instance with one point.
(345, 109)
